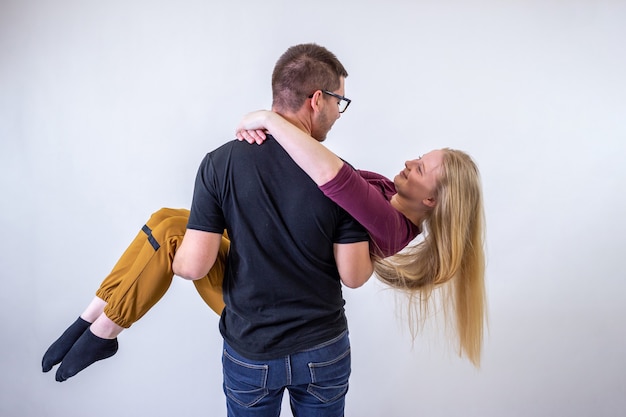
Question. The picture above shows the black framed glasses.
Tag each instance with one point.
(343, 102)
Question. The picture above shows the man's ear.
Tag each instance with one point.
(430, 202)
(316, 101)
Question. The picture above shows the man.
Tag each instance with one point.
(284, 324)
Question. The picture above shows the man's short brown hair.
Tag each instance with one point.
(302, 70)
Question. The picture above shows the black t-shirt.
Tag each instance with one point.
(281, 286)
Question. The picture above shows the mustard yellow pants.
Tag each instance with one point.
(144, 272)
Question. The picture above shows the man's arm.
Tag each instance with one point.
(354, 263)
(197, 254)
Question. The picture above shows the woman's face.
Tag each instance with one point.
(417, 182)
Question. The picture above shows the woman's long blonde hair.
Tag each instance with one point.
(451, 253)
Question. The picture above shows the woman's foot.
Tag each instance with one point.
(57, 351)
(88, 349)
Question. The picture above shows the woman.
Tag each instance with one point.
(438, 194)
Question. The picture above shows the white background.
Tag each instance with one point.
(107, 108)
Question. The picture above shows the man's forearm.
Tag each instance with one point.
(196, 255)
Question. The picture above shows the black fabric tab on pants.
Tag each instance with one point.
(151, 238)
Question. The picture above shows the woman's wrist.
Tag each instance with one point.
(270, 120)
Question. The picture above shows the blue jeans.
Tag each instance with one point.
(317, 381)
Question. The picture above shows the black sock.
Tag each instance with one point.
(88, 349)
(57, 351)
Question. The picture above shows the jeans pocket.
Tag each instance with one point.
(244, 383)
(330, 378)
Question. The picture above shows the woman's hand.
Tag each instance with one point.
(253, 127)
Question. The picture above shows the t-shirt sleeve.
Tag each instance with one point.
(206, 213)
(388, 228)
(369, 175)
(349, 230)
